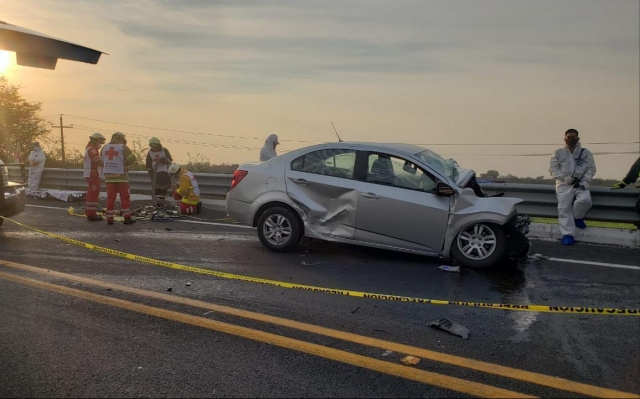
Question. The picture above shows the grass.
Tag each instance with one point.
(589, 223)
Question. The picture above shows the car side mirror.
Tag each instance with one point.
(444, 189)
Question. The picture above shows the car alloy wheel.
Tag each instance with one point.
(277, 229)
(477, 242)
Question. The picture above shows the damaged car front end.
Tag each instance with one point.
(516, 227)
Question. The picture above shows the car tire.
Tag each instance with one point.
(279, 229)
(479, 245)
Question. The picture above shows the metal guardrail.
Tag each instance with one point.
(140, 181)
(539, 200)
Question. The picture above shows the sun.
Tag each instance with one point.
(5, 60)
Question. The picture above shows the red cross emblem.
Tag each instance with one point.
(111, 153)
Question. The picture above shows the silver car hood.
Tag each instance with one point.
(465, 175)
(469, 202)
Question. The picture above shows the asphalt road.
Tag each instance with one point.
(77, 322)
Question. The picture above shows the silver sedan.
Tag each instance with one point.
(392, 196)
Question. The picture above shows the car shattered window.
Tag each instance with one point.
(332, 162)
(447, 167)
(392, 171)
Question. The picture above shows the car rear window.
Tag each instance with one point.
(331, 162)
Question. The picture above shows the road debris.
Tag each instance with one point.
(451, 327)
(310, 264)
(169, 289)
(539, 257)
(117, 240)
(452, 269)
(355, 310)
(188, 284)
(410, 360)
(386, 353)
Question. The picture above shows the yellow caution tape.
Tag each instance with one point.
(357, 294)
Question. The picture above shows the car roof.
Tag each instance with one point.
(411, 149)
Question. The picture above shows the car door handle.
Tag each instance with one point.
(370, 195)
(301, 182)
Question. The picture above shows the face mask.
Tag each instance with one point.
(572, 142)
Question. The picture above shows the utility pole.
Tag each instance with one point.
(62, 135)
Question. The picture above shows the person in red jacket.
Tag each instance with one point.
(117, 158)
(93, 174)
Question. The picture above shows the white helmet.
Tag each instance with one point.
(97, 136)
(173, 169)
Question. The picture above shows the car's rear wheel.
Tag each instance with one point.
(479, 246)
(279, 229)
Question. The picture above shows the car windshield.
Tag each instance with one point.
(447, 167)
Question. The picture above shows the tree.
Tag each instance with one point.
(20, 122)
(492, 174)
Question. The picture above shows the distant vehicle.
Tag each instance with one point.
(12, 193)
(393, 196)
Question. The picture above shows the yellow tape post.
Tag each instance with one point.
(357, 294)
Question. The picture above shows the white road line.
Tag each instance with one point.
(585, 262)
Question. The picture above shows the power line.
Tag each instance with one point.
(91, 129)
(80, 127)
(97, 129)
(308, 141)
(525, 144)
(186, 131)
(535, 155)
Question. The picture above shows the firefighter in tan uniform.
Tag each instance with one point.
(187, 192)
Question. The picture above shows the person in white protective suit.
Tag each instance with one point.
(268, 151)
(36, 166)
(573, 168)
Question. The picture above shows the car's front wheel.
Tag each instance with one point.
(279, 229)
(480, 245)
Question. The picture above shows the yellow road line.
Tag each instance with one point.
(490, 368)
(414, 374)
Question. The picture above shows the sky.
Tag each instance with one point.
(492, 84)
